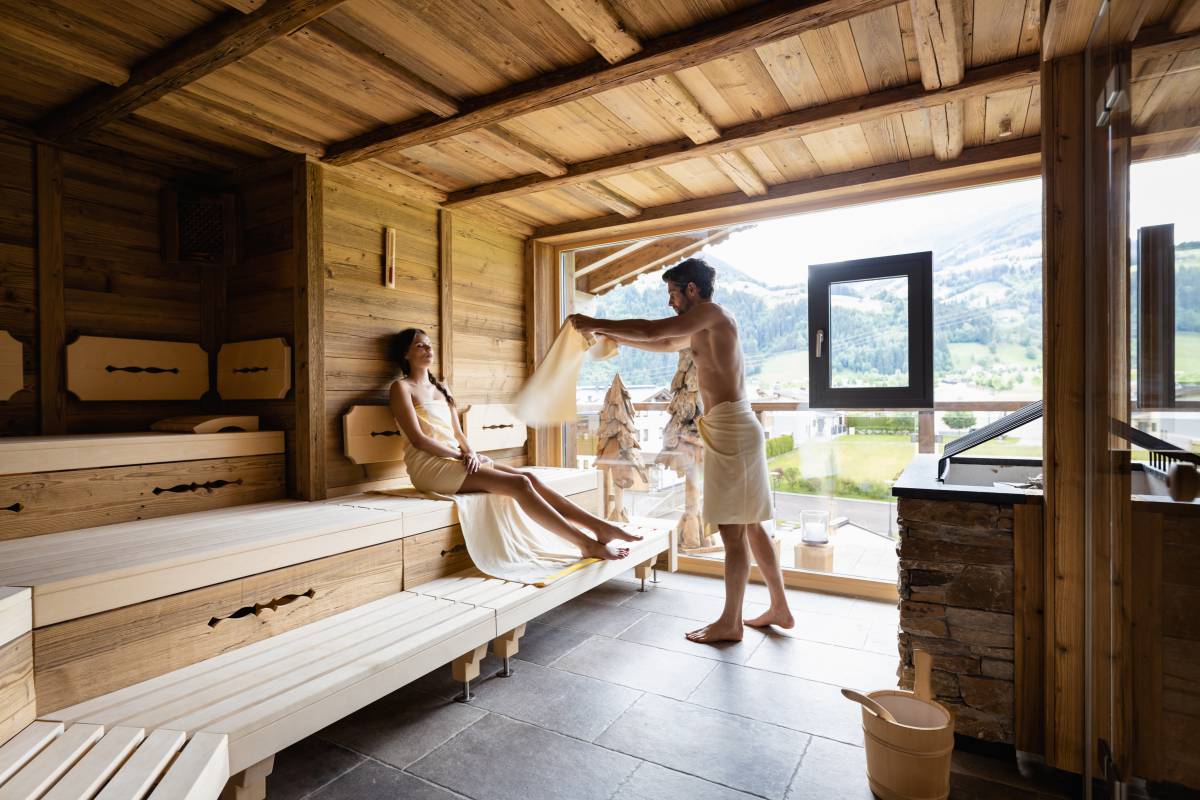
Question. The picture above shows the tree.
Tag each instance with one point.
(959, 420)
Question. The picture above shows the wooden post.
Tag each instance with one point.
(212, 324)
(926, 438)
(1156, 316)
(250, 783)
(308, 245)
(506, 646)
(541, 325)
(465, 669)
(446, 295)
(52, 323)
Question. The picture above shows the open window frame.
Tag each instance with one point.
(917, 269)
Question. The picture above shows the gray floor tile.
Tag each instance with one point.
(558, 701)
(440, 682)
(542, 644)
(402, 727)
(375, 781)
(499, 759)
(652, 782)
(689, 605)
(831, 769)
(589, 617)
(612, 593)
(732, 751)
(637, 666)
(803, 705)
(668, 632)
(875, 611)
(883, 639)
(827, 663)
(830, 629)
(306, 766)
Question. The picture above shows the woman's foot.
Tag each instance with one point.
(717, 632)
(607, 532)
(780, 618)
(595, 549)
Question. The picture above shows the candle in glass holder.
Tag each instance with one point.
(815, 525)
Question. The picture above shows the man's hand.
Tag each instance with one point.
(583, 323)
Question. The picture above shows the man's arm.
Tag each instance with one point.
(672, 345)
(650, 330)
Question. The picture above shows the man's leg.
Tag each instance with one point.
(728, 627)
(768, 565)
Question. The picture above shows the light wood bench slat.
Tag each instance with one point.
(49, 765)
(137, 775)
(98, 765)
(21, 454)
(200, 772)
(16, 613)
(22, 748)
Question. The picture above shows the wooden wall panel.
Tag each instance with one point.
(18, 278)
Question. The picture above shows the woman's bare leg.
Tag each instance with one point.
(520, 488)
(605, 531)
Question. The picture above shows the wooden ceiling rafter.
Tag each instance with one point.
(610, 199)
(937, 31)
(1015, 74)
(588, 261)
(225, 40)
(1186, 17)
(598, 24)
(658, 253)
(744, 29)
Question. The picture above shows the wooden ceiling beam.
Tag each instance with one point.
(679, 107)
(735, 166)
(588, 261)
(598, 23)
(1011, 158)
(657, 253)
(610, 199)
(937, 29)
(342, 47)
(506, 147)
(1016, 74)
(202, 52)
(749, 27)
(1186, 18)
(244, 6)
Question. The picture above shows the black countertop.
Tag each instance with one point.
(919, 481)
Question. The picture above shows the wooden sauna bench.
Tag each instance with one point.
(272, 693)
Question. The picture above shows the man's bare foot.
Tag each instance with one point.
(780, 618)
(600, 550)
(716, 632)
(606, 532)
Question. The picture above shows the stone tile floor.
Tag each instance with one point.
(609, 701)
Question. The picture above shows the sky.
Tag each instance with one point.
(1161, 191)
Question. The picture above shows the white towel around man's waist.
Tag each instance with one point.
(504, 542)
(737, 488)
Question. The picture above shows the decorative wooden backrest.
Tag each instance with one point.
(493, 427)
(102, 368)
(12, 371)
(256, 370)
(371, 435)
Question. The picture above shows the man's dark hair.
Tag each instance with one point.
(694, 270)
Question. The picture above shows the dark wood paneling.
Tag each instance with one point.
(18, 279)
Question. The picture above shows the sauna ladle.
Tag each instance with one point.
(872, 705)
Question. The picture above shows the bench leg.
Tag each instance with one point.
(507, 646)
(465, 669)
(250, 783)
(643, 571)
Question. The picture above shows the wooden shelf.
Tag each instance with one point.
(80, 572)
(22, 454)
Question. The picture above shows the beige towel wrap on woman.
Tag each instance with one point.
(737, 488)
(428, 472)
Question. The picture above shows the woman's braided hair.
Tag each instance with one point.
(401, 343)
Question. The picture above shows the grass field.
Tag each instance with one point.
(966, 354)
(857, 458)
(1187, 357)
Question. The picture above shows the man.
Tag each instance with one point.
(737, 496)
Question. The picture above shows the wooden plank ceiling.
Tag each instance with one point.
(553, 113)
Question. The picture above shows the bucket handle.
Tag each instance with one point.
(922, 685)
(870, 704)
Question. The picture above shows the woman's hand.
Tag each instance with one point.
(471, 460)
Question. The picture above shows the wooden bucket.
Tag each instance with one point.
(909, 759)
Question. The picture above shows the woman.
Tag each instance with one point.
(440, 459)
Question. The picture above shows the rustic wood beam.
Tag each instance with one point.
(679, 107)
(506, 147)
(446, 294)
(610, 199)
(598, 23)
(747, 28)
(51, 303)
(1186, 18)
(588, 261)
(1016, 157)
(340, 46)
(202, 52)
(308, 244)
(735, 166)
(937, 29)
(1017, 74)
(646, 259)
(244, 6)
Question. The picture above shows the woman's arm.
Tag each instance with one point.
(470, 458)
(406, 417)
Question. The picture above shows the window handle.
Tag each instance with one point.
(820, 341)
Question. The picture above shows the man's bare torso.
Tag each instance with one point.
(717, 352)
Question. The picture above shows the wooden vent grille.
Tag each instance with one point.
(199, 227)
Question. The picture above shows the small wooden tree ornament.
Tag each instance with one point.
(683, 450)
(617, 451)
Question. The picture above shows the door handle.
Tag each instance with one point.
(820, 341)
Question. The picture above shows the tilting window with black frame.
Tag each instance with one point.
(870, 333)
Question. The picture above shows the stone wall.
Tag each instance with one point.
(956, 602)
